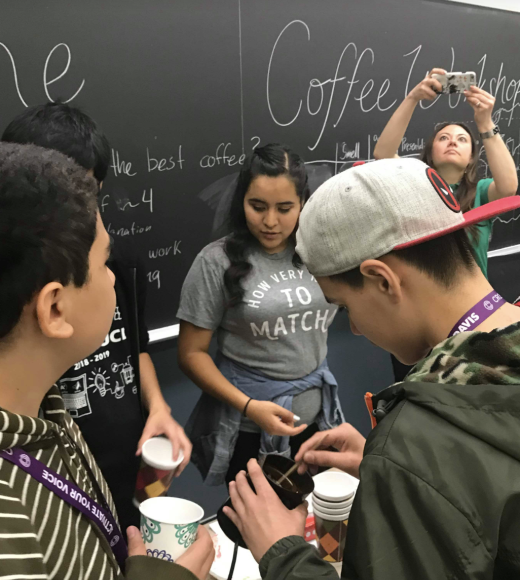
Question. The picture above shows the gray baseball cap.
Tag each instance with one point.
(372, 209)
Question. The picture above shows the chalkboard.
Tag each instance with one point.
(186, 89)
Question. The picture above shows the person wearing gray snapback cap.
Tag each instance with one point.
(438, 494)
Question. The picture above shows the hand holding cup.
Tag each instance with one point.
(259, 514)
(198, 558)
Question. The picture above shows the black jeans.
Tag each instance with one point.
(248, 446)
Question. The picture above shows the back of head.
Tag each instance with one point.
(48, 213)
(444, 260)
(394, 205)
(66, 129)
(386, 240)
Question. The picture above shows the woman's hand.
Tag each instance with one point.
(273, 419)
(482, 103)
(160, 422)
(428, 89)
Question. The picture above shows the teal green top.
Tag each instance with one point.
(484, 228)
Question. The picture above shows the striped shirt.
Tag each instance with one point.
(42, 536)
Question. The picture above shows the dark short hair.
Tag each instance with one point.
(442, 259)
(66, 129)
(48, 213)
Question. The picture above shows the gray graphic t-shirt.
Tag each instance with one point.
(280, 328)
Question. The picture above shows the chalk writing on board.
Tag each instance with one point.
(164, 164)
(46, 82)
(124, 203)
(222, 157)
(105, 200)
(346, 153)
(367, 56)
(506, 92)
(121, 167)
(507, 221)
(408, 147)
(165, 252)
(133, 230)
(155, 276)
(358, 86)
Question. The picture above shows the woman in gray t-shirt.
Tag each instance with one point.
(271, 321)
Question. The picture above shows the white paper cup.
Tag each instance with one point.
(338, 517)
(332, 511)
(321, 503)
(334, 486)
(169, 526)
(157, 469)
(158, 452)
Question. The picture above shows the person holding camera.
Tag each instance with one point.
(453, 151)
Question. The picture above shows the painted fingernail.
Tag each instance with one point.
(296, 418)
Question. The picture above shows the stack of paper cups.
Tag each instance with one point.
(332, 500)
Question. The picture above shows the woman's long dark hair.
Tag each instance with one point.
(468, 184)
(272, 160)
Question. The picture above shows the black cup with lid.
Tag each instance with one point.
(292, 493)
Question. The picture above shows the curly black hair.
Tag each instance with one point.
(48, 214)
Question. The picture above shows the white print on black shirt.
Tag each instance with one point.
(296, 298)
(106, 378)
(75, 390)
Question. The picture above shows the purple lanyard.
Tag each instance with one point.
(73, 495)
(480, 312)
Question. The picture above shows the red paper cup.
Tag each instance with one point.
(157, 469)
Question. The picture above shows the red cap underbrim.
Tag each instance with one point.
(474, 216)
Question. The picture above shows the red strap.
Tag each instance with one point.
(370, 407)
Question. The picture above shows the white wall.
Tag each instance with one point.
(512, 5)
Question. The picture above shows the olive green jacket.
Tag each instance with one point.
(439, 493)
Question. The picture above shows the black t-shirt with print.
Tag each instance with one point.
(102, 395)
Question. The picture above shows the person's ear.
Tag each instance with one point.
(52, 311)
(383, 278)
